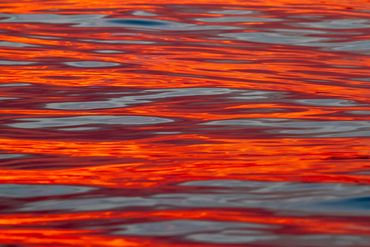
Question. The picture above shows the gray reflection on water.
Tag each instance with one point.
(283, 197)
(312, 34)
(143, 13)
(45, 37)
(135, 42)
(366, 79)
(257, 95)
(281, 240)
(327, 102)
(237, 19)
(6, 98)
(49, 18)
(179, 92)
(181, 227)
(141, 23)
(363, 45)
(274, 38)
(233, 237)
(360, 112)
(31, 190)
(92, 64)
(233, 12)
(11, 156)
(13, 63)
(146, 96)
(15, 44)
(109, 51)
(87, 105)
(78, 129)
(39, 123)
(89, 204)
(301, 127)
(98, 20)
(337, 24)
(15, 84)
(228, 232)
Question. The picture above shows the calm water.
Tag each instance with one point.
(185, 123)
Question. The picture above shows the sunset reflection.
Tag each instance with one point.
(223, 123)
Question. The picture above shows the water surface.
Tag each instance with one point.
(185, 123)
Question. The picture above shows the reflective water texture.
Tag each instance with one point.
(185, 123)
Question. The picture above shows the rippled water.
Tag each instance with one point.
(185, 123)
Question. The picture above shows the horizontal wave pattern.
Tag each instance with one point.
(185, 123)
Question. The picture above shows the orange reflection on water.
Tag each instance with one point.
(238, 159)
(184, 124)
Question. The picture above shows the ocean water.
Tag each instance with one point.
(185, 123)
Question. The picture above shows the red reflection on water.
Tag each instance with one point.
(65, 59)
